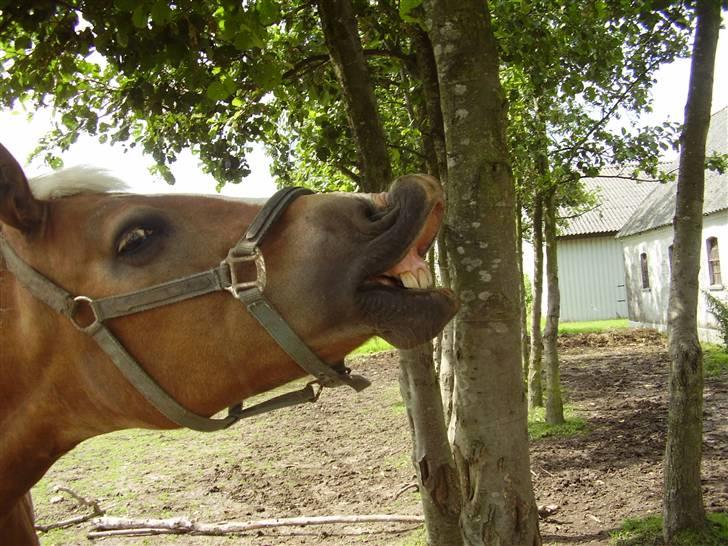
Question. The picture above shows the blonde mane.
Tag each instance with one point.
(74, 180)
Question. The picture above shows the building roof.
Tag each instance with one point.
(617, 199)
(659, 208)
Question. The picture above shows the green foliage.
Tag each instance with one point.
(719, 310)
(648, 532)
(527, 293)
(538, 428)
(717, 162)
(715, 360)
(569, 70)
(217, 76)
(210, 76)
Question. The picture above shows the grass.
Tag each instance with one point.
(715, 360)
(647, 531)
(374, 345)
(592, 326)
(538, 428)
(416, 538)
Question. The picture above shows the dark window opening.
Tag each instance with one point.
(645, 271)
(713, 261)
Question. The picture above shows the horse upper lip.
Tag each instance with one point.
(408, 265)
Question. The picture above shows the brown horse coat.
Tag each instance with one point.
(338, 268)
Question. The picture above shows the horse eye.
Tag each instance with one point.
(133, 240)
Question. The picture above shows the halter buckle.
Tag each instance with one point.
(236, 285)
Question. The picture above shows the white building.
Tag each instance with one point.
(591, 270)
(646, 241)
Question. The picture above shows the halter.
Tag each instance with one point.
(223, 277)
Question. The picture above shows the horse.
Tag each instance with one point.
(122, 310)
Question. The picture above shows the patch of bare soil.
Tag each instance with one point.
(349, 454)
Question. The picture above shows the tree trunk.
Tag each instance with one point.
(431, 453)
(347, 56)
(535, 385)
(446, 370)
(554, 404)
(525, 340)
(431, 93)
(683, 498)
(490, 442)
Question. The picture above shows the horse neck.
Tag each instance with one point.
(37, 426)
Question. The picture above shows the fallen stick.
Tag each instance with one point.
(75, 520)
(111, 526)
(404, 489)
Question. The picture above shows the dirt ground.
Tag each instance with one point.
(349, 454)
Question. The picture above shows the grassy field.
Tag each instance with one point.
(648, 532)
(715, 360)
(592, 326)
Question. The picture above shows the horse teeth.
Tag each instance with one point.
(409, 280)
(424, 278)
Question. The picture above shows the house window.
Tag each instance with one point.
(645, 271)
(713, 262)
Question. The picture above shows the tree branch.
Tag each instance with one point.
(610, 111)
(110, 526)
(91, 503)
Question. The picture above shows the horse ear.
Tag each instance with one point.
(18, 207)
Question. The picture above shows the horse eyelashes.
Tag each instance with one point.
(133, 240)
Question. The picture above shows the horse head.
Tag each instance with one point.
(338, 268)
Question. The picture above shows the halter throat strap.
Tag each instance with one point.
(222, 277)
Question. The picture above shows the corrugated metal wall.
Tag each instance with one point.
(591, 279)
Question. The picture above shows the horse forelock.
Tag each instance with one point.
(75, 180)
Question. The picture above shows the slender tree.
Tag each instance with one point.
(419, 386)
(554, 404)
(683, 498)
(489, 441)
(535, 388)
(347, 54)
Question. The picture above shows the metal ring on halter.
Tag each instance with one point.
(78, 302)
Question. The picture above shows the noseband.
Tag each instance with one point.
(223, 277)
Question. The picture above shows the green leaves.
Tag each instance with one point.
(140, 16)
(161, 12)
(243, 27)
(408, 10)
(220, 90)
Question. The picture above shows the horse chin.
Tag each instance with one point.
(406, 317)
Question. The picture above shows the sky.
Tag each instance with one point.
(21, 135)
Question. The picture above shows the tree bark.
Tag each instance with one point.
(431, 453)
(490, 442)
(535, 385)
(525, 340)
(446, 362)
(347, 56)
(431, 93)
(683, 498)
(554, 404)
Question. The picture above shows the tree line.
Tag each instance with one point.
(509, 104)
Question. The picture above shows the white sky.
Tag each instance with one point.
(20, 136)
